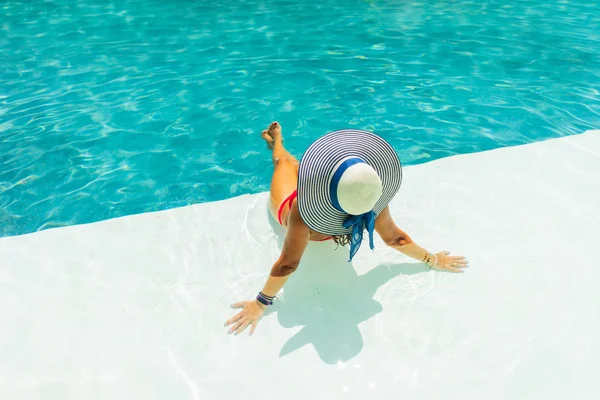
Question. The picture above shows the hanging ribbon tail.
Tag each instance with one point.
(370, 224)
(358, 223)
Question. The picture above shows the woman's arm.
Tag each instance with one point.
(396, 237)
(296, 240)
(399, 240)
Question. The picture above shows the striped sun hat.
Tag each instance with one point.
(345, 179)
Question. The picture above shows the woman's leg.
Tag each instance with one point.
(285, 173)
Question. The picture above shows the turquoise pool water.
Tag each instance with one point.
(109, 108)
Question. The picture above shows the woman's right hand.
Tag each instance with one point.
(252, 312)
(445, 262)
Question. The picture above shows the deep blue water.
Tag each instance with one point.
(109, 108)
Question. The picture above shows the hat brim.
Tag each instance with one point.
(316, 168)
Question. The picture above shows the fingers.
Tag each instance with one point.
(240, 321)
(447, 267)
(234, 319)
(455, 266)
(236, 325)
(242, 327)
(453, 262)
(451, 269)
(254, 324)
(459, 262)
(240, 324)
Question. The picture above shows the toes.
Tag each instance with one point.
(274, 129)
(268, 138)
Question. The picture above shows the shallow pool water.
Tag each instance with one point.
(109, 108)
(133, 308)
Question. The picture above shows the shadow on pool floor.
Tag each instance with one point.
(329, 299)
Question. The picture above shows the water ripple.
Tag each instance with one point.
(110, 108)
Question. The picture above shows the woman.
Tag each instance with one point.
(342, 187)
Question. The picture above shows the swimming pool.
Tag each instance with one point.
(133, 307)
(112, 108)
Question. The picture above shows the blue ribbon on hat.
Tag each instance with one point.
(358, 223)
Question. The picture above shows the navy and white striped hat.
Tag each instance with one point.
(346, 176)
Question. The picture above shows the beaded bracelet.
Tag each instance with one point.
(265, 296)
(428, 257)
(264, 299)
(429, 260)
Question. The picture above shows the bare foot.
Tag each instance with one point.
(275, 132)
(265, 135)
(272, 135)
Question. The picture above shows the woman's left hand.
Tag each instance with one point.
(445, 262)
(252, 312)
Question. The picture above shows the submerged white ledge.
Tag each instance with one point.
(133, 308)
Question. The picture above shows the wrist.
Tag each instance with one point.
(260, 305)
(432, 261)
(264, 299)
(428, 258)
